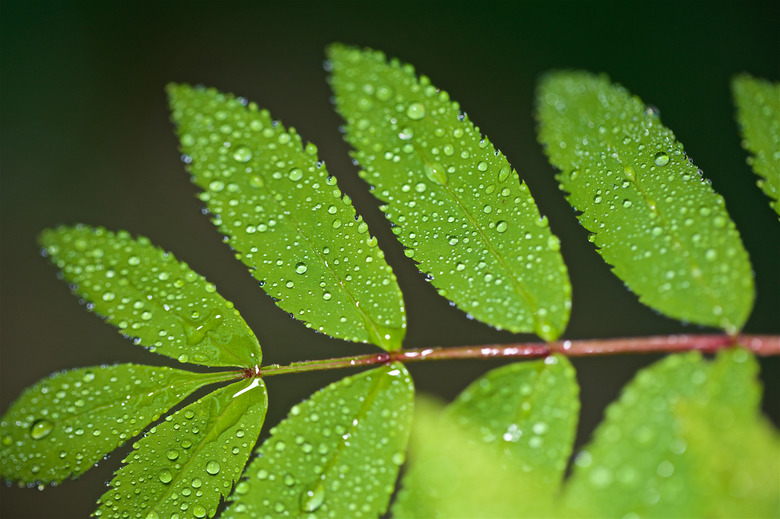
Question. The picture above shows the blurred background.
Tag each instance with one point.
(85, 137)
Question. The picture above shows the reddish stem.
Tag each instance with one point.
(763, 345)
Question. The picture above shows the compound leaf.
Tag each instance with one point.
(337, 454)
(64, 424)
(686, 439)
(457, 205)
(149, 295)
(289, 222)
(655, 219)
(500, 450)
(758, 113)
(191, 460)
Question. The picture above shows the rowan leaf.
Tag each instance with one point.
(150, 296)
(758, 114)
(287, 219)
(660, 225)
(457, 205)
(686, 439)
(499, 450)
(337, 454)
(191, 460)
(64, 424)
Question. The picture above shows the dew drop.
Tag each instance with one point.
(435, 173)
(301, 268)
(416, 111)
(199, 511)
(242, 154)
(41, 429)
(326, 296)
(312, 498)
(501, 226)
(212, 467)
(295, 174)
(172, 454)
(503, 173)
(482, 165)
(166, 476)
(661, 158)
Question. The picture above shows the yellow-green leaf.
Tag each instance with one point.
(187, 463)
(150, 296)
(655, 219)
(686, 439)
(501, 449)
(758, 113)
(457, 205)
(64, 424)
(337, 454)
(287, 219)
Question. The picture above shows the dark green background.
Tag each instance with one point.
(86, 138)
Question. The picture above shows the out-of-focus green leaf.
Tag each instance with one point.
(66, 423)
(337, 454)
(289, 222)
(186, 464)
(457, 205)
(655, 219)
(149, 295)
(501, 449)
(686, 439)
(758, 113)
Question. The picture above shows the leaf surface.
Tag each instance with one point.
(288, 220)
(758, 113)
(190, 461)
(337, 454)
(655, 219)
(499, 450)
(64, 424)
(457, 205)
(686, 439)
(149, 295)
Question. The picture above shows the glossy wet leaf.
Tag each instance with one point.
(188, 462)
(151, 296)
(287, 219)
(655, 219)
(501, 449)
(64, 424)
(686, 439)
(758, 113)
(457, 205)
(337, 454)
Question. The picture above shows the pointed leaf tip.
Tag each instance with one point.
(655, 219)
(149, 295)
(456, 204)
(287, 219)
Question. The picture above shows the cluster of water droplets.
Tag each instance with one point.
(151, 296)
(528, 411)
(287, 219)
(184, 466)
(336, 455)
(457, 205)
(65, 424)
(653, 215)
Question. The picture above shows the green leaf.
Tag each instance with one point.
(501, 449)
(457, 205)
(758, 113)
(686, 439)
(289, 222)
(654, 218)
(337, 454)
(149, 295)
(191, 460)
(64, 424)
